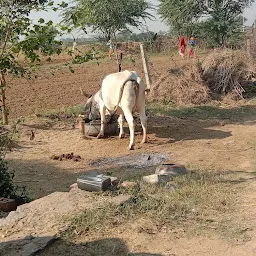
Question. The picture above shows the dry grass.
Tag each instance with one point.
(200, 201)
(182, 85)
(223, 73)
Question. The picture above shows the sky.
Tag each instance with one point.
(153, 25)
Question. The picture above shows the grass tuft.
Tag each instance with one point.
(200, 199)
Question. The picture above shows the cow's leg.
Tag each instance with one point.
(103, 120)
(121, 122)
(130, 121)
(143, 119)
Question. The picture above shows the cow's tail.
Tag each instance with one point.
(136, 88)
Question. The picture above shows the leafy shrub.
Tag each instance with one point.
(7, 187)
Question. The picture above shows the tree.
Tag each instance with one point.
(215, 20)
(19, 36)
(23, 43)
(106, 17)
(141, 37)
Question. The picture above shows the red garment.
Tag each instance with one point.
(182, 45)
(182, 42)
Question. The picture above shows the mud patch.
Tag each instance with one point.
(136, 161)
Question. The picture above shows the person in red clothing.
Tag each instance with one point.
(182, 47)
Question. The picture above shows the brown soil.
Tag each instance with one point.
(204, 144)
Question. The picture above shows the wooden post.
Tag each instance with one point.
(119, 61)
(146, 67)
(82, 126)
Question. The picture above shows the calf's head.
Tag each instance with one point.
(90, 106)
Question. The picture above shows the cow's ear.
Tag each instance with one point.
(84, 93)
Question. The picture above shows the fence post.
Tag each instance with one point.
(119, 61)
(82, 127)
(145, 67)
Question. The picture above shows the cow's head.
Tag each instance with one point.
(90, 106)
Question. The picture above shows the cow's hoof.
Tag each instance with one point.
(144, 141)
(100, 136)
(121, 136)
(131, 147)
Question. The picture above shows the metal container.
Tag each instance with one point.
(93, 128)
(7, 205)
(94, 183)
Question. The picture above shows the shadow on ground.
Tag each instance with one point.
(237, 115)
(106, 247)
(183, 130)
(238, 177)
(42, 178)
(36, 246)
(45, 177)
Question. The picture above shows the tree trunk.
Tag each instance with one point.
(2, 92)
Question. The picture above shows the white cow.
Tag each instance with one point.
(121, 93)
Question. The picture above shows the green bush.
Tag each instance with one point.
(7, 187)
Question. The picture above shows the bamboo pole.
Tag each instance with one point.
(119, 56)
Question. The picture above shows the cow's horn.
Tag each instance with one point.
(84, 93)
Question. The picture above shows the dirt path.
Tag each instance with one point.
(203, 144)
(199, 143)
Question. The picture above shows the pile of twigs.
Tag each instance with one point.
(223, 74)
(224, 71)
(183, 86)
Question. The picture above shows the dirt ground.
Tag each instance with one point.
(49, 92)
(199, 143)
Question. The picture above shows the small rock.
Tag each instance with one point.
(193, 210)
(170, 187)
(155, 178)
(114, 180)
(73, 187)
(171, 170)
(128, 184)
(63, 229)
(229, 142)
(28, 237)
